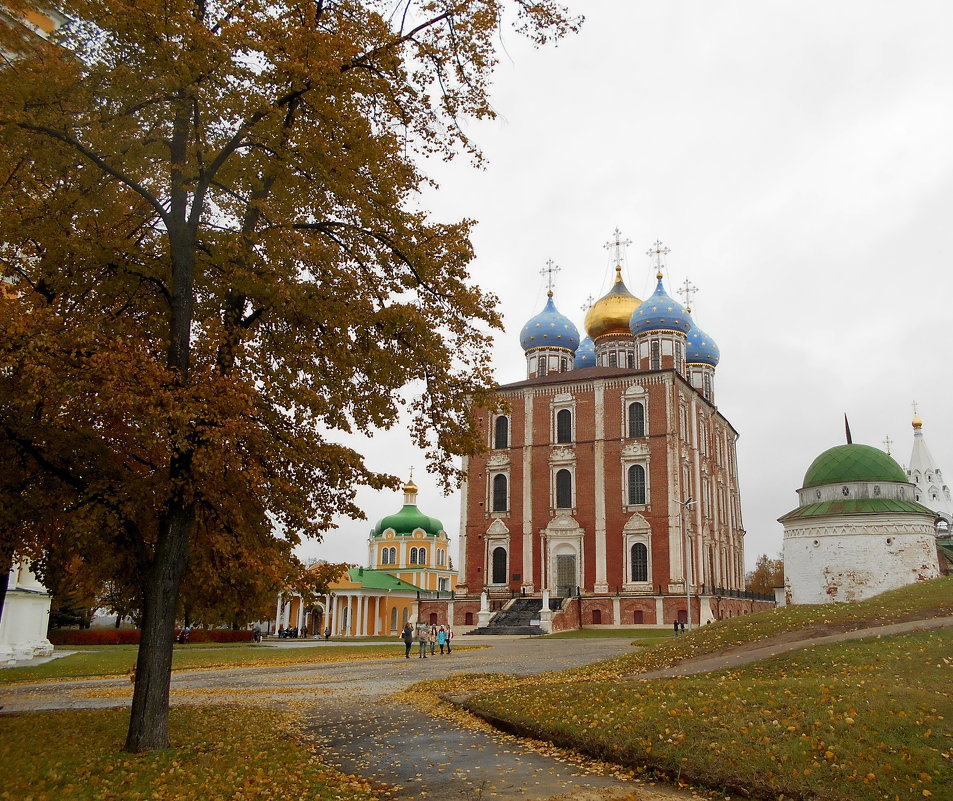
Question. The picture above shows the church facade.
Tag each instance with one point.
(610, 479)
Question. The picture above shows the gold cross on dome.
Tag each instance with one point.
(658, 250)
(887, 443)
(551, 269)
(588, 304)
(687, 291)
(619, 244)
(916, 409)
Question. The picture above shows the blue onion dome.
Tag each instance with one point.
(660, 313)
(701, 348)
(585, 355)
(549, 329)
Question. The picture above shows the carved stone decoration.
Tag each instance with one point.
(636, 525)
(563, 397)
(635, 389)
(635, 449)
(499, 459)
(497, 529)
(562, 454)
(563, 523)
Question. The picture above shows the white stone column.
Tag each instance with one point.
(462, 537)
(279, 611)
(527, 482)
(599, 486)
(362, 615)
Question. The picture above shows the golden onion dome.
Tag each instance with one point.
(917, 422)
(611, 313)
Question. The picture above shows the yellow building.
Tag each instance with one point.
(409, 560)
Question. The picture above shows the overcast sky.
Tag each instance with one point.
(797, 158)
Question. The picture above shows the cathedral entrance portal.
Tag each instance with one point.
(565, 574)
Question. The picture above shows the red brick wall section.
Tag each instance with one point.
(568, 618)
(629, 606)
(603, 605)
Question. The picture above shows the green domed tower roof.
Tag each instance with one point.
(852, 463)
(408, 519)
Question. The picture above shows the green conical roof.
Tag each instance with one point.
(406, 521)
(852, 463)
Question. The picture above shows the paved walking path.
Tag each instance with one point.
(347, 711)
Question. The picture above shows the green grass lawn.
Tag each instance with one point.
(218, 753)
(118, 660)
(861, 721)
(632, 634)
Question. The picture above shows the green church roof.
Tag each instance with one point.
(853, 463)
(856, 506)
(406, 521)
(378, 580)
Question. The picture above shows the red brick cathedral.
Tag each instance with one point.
(609, 459)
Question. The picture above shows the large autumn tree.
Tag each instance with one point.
(210, 212)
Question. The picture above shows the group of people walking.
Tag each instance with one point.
(428, 638)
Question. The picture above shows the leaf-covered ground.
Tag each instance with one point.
(866, 720)
(218, 753)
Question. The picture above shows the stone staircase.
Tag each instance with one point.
(516, 618)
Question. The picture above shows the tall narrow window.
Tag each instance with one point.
(640, 562)
(613, 359)
(563, 489)
(707, 386)
(413, 556)
(656, 359)
(564, 425)
(678, 357)
(501, 433)
(636, 485)
(630, 360)
(542, 365)
(636, 420)
(499, 565)
(499, 493)
(563, 365)
(421, 556)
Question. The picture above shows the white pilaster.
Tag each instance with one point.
(599, 486)
(462, 538)
(528, 580)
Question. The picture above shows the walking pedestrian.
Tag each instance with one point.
(432, 639)
(676, 627)
(682, 626)
(422, 641)
(449, 639)
(407, 635)
(441, 639)
(327, 634)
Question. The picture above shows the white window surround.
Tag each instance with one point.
(489, 500)
(554, 469)
(628, 541)
(626, 464)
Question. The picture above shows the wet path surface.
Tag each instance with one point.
(347, 710)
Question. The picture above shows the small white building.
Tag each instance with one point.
(25, 618)
(857, 531)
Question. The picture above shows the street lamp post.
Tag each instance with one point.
(687, 504)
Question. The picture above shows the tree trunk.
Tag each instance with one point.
(6, 565)
(149, 721)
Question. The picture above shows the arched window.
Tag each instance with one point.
(564, 425)
(640, 562)
(413, 556)
(499, 565)
(393, 619)
(393, 556)
(563, 489)
(636, 420)
(499, 492)
(421, 556)
(385, 554)
(636, 485)
(501, 433)
(655, 361)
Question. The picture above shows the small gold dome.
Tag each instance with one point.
(611, 313)
(917, 422)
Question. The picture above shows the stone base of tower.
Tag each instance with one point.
(612, 611)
